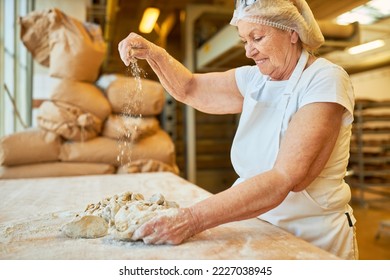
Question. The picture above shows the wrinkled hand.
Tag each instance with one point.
(134, 46)
(172, 229)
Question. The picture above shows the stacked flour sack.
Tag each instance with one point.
(132, 138)
(79, 132)
(75, 113)
(76, 109)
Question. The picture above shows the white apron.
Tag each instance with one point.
(254, 150)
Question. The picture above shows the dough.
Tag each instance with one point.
(118, 216)
(108, 207)
(86, 227)
(133, 215)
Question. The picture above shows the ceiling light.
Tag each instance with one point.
(149, 19)
(369, 13)
(366, 47)
(350, 17)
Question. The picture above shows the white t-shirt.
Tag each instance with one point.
(323, 81)
(328, 195)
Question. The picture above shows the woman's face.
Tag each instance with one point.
(274, 51)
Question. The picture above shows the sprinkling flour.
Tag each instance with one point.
(132, 105)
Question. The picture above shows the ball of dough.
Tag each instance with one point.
(86, 227)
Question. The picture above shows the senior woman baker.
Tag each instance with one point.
(291, 147)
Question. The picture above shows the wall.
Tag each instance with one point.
(74, 8)
(373, 84)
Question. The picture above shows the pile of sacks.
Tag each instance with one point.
(91, 124)
(83, 129)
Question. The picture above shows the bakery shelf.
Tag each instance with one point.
(369, 163)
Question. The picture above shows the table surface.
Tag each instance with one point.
(33, 210)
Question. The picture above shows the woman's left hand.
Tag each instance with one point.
(168, 229)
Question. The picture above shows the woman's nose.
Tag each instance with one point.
(250, 51)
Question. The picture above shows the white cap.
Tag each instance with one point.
(283, 14)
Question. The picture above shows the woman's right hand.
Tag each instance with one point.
(134, 46)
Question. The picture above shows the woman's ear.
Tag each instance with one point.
(294, 37)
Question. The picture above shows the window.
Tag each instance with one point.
(15, 68)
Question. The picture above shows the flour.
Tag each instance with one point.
(118, 216)
(132, 105)
(37, 227)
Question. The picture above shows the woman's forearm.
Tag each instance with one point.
(174, 77)
(249, 199)
(215, 93)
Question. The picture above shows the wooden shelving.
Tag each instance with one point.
(369, 163)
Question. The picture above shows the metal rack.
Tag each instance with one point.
(370, 152)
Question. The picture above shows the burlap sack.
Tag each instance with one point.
(34, 33)
(158, 146)
(29, 146)
(86, 96)
(71, 49)
(77, 50)
(125, 97)
(55, 169)
(98, 150)
(131, 128)
(68, 121)
(147, 165)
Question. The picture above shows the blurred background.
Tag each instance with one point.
(197, 33)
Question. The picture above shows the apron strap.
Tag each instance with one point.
(296, 75)
(290, 87)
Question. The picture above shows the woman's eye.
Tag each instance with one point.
(258, 39)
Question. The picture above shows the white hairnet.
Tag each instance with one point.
(283, 14)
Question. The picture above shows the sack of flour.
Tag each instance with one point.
(70, 48)
(77, 49)
(29, 146)
(68, 121)
(55, 169)
(147, 165)
(119, 126)
(34, 33)
(88, 97)
(126, 97)
(158, 146)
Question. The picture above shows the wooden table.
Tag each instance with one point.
(33, 210)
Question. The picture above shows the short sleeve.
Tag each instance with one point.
(331, 84)
(247, 78)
